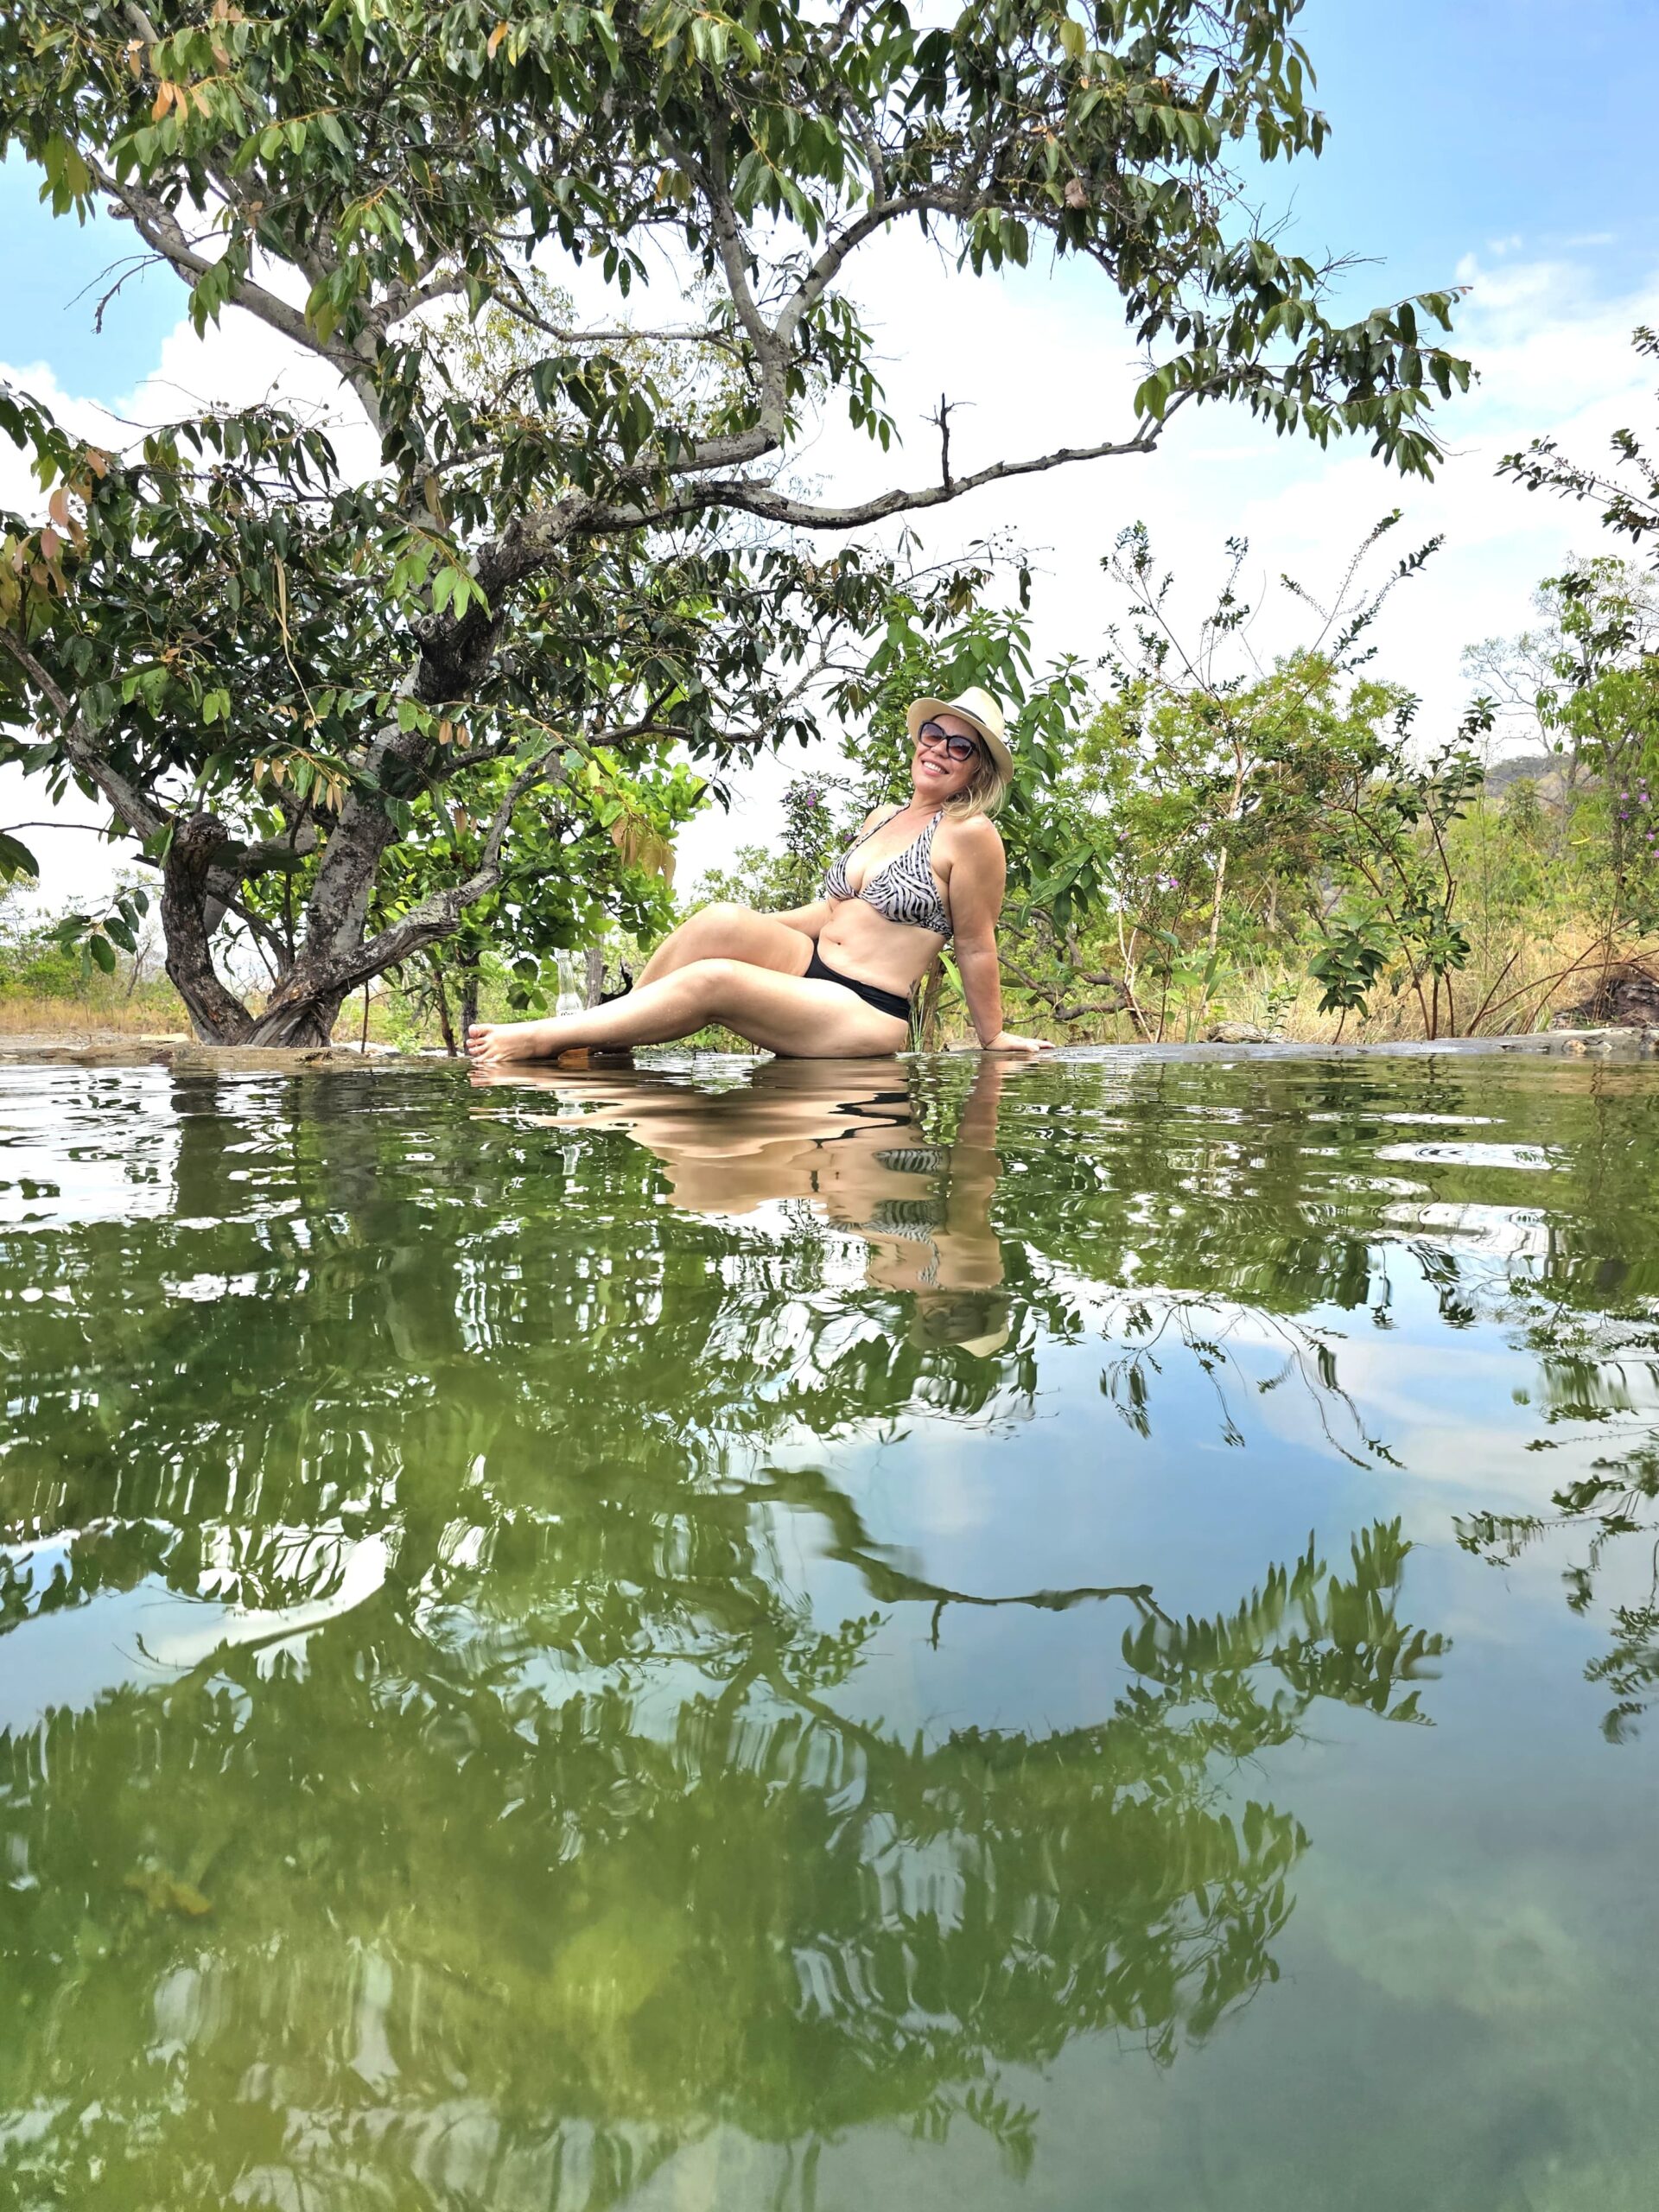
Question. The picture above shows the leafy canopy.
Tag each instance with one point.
(581, 535)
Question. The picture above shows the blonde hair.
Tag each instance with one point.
(985, 794)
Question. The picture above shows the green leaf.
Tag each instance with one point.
(16, 862)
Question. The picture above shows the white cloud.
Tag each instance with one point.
(1031, 360)
(1036, 363)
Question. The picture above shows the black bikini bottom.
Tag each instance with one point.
(883, 1001)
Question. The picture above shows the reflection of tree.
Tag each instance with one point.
(1600, 1369)
(1149, 1330)
(572, 1838)
(476, 1916)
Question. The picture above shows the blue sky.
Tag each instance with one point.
(55, 274)
(1457, 123)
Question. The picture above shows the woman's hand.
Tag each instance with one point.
(1006, 1041)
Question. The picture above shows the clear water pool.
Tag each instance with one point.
(1061, 1636)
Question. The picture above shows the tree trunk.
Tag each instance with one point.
(1215, 904)
(216, 1014)
(446, 1028)
(303, 1019)
(594, 982)
(468, 993)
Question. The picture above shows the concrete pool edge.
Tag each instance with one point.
(183, 1055)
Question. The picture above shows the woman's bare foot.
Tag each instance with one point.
(491, 1042)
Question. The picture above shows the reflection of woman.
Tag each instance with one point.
(832, 981)
(854, 1147)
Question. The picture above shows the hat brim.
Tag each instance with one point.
(921, 710)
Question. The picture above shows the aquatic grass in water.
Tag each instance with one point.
(810, 1636)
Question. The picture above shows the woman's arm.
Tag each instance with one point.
(809, 920)
(979, 875)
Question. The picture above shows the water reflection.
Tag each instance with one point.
(503, 1700)
(448, 1784)
(405, 1904)
(1599, 1390)
(847, 1139)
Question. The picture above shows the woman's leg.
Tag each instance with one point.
(728, 932)
(782, 1013)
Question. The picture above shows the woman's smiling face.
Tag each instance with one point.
(936, 773)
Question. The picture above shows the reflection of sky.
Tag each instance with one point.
(84, 1145)
(1467, 1975)
(1086, 1501)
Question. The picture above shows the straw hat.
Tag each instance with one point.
(974, 706)
(974, 1321)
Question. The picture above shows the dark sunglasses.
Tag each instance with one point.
(959, 747)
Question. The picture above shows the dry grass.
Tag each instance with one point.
(80, 1017)
(157, 1010)
(1510, 988)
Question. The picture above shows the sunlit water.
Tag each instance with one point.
(831, 1637)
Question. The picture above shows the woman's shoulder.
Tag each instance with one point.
(977, 838)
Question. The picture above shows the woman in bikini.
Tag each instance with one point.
(832, 980)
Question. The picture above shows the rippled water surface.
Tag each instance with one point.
(811, 1637)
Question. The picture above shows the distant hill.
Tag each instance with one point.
(1547, 770)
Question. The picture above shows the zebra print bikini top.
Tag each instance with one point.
(902, 889)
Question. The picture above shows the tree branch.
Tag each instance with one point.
(402, 300)
(940, 202)
(593, 518)
(772, 347)
(437, 914)
(161, 230)
(133, 806)
(728, 244)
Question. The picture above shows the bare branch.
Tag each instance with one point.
(520, 310)
(942, 422)
(573, 518)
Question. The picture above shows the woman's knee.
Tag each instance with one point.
(711, 977)
(716, 920)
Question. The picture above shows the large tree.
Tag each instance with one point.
(268, 672)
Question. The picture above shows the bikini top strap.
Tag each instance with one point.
(864, 835)
(925, 840)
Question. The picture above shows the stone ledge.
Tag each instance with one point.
(185, 1057)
